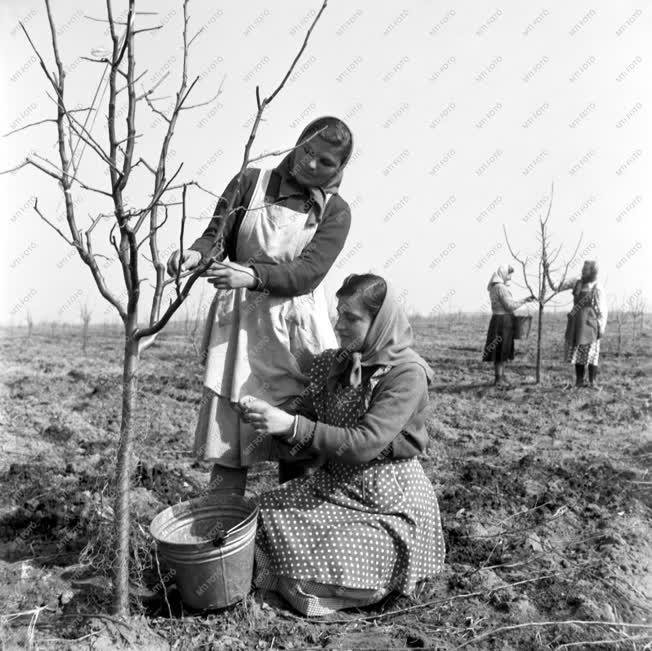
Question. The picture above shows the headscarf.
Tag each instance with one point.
(317, 193)
(592, 268)
(502, 275)
(388, 343)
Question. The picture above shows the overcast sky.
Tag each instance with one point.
(463, 114)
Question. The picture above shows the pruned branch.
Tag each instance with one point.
(298, 56)
(281, 152)
(60, 176)
(99, 278)
(147, 29)
(552, 190)
(189, 183)
(49, 223)
(208, 101)
(152, 233)
(27, 126)
(154, 87)
(181, 233)
(523, 264)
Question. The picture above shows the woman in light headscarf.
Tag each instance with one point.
(367, 522)
(586, 324)
(269, 316)
(499, 347)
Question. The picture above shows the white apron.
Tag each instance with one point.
(256, 343)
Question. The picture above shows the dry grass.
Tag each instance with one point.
(544, 494)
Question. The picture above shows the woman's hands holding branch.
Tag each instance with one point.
(230, 275)
(264, 418)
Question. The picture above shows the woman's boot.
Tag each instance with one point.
(227, 480)
(579, 375)
(593, 376)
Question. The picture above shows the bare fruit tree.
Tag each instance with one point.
(132, 227)
(85, 314)
(538, 283)
(618, 313)
(636, 304)
(30, 324)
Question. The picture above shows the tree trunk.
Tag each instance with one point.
(123, 476)
(539, 332)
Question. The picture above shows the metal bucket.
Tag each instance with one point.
(522, 325)
(208, 543)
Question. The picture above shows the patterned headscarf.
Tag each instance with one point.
(591, 267)
(502, 275)
(388, 342)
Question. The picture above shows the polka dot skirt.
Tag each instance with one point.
(373, 527)
(584, 353)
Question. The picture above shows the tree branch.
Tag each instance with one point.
(298, 56)
(523, 264)
(181, 232)
(49, 223)
(27, 126)
(98, 276)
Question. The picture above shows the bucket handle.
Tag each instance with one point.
(220, 535)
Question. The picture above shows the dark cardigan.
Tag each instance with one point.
(393, 426)
(304, 273)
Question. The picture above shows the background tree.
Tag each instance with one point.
(637, 305)
(85, 314)
(538, 283)
(30, 324)
(132, 227)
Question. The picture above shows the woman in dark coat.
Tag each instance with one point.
(499, 347)
(586, 323)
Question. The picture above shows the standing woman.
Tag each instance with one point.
(499, 347)
(586, 324)
(269, 316)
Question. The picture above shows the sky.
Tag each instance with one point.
(463, 113)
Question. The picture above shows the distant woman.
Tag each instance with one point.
(367, 522)
(586, 324)
(499, 347)
(269, 315)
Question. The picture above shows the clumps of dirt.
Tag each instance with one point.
(57, 433)
(597, 482)
(23, 387)
(51, 510)
(170, 485)
(482, 486)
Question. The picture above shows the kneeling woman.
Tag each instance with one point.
(366, 523)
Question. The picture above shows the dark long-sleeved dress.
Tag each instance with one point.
(259, 342)
(499, 346)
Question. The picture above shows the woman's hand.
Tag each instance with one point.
(186, 259)
(264, 418)
(230, 275)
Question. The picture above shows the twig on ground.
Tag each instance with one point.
(586, 643)
(569, 622)
(435, 602)
(160, 578)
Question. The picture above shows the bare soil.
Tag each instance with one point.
(544, 493)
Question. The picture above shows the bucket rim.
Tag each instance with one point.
(176, 511)
(203, 554)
